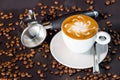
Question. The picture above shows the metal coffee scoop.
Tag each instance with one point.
(35, 33)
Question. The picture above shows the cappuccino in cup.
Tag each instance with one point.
(80, 27)
(80, 33)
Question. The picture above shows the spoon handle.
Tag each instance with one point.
(96, 69)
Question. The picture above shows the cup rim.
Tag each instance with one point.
(79, 39)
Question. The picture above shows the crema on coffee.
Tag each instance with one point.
(80, 27)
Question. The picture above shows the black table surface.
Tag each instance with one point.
(49, 68)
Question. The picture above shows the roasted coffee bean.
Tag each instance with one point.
(95, 78)
(118, 77)
(87, 1)
(61, 73)
(90, 8)
(108, 22)
(29, 75)
(1, 24)
(16, 67)
(22, 74)
(78, 77)
(107, 67)
(44, 65)
(113, 1)
(67, 9)
(114, 52)
(109, 74)
(24, 62)
(105, 16)
(78, 70)
(109, 15)
(84, 78)
(39, 71)
(38, 63)
(108, 2)
(119, 58)
(56, 72)
(41, 75)
(114, 76)
(3, 73)
(91, 2)
(74, 7)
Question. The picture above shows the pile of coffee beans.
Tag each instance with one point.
(18, 62)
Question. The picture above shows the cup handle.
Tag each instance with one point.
(103, 38)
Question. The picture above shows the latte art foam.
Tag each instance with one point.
(80, 26)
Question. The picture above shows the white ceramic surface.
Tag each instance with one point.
(66, 57)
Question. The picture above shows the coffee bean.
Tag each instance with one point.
(108, 22)
(53, 66)
(114, 76)
(109, 15)
(16, 67)
(27, 66)
(84, 78)
(113, 1)
(1, 24)
(22, 74)
(107, 2)
(105, 16)
(74, 7)
(114, 52)
(95, 77)
(44, 65)
(119, 58)
(78, 77)
(91, 2)
(109, 74)
(39, 71)
(29, 76)
(3, 73)
(67, 9)
(90, 8)
(118, 77)
(38, 63)
(107, 67)
(41, 75)
(87, 1)
(61, 73)
(14, 75)
(78, 70)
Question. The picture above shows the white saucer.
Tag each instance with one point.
(66, 57)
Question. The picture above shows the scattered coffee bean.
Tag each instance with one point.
(107, 2)
(39, 71)
(113, 1)
(56, 72)
(119, 58)
(1, 24)
(38, 63)
(114, 76)
(56, 2)
(41, 75)
(114, 51)
(22, 74)
(90, 8)
(44, 65)
(107, 67)
(91, 2)
(109, 74)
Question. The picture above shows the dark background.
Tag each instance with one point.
(18, 6)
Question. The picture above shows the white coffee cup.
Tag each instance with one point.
(80, 46)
